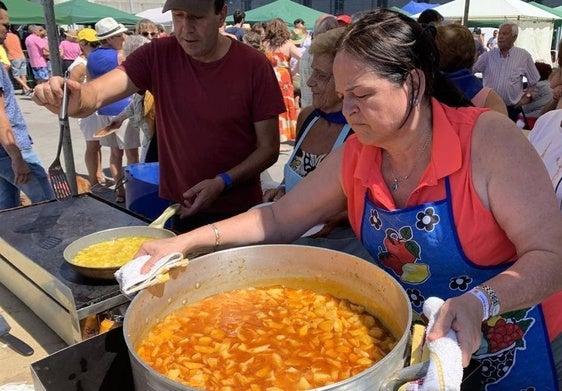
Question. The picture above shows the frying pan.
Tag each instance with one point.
(153, 230)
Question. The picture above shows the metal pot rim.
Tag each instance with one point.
(395, 354)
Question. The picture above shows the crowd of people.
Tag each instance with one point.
(401, 154)
(27, 48)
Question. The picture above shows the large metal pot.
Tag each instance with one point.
(154, 230)
(323, 270)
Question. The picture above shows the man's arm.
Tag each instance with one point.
(8, 141)
(533, 76)
(265, 154)
(85, 98)
(480, 64)
(46, 53)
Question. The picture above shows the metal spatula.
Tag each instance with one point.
(58, 178)
(15, 343)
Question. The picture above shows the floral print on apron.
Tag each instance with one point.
(419, 246)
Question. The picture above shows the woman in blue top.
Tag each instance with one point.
(103, 59)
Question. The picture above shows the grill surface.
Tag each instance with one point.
(40, 233)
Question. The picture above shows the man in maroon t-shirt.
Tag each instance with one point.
(217, 106)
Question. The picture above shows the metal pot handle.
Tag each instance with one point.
(405, 375)
(168, 212)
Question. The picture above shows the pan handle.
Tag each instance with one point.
(405, 375)
(165, 216)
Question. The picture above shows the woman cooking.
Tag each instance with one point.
(447, 207)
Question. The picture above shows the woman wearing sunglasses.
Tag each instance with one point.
(146, 28)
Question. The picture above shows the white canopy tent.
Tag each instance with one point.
(156, 15)
(536, 26)
(493, 10)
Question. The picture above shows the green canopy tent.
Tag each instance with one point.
(25, 12)
(285, 9)
(556, 11)
(86, 12)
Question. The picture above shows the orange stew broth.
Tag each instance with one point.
(270, 338)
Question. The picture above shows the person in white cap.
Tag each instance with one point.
(126, 139)
(217, 101)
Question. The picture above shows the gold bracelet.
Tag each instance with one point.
(217, 236)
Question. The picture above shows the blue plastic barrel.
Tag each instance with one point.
(141, 185)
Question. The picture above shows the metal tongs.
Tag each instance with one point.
(57, 176)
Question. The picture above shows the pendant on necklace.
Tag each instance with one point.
(394, 186)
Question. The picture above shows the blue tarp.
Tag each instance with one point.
(414, 8)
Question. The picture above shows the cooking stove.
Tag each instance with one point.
(32, 266)
(100, 363)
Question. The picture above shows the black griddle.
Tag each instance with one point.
(40, 232)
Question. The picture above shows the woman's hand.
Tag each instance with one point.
(157, 249)
(273, 194)
(464, 315)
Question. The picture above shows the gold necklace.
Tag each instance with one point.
(396, 180)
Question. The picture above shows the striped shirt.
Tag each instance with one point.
(505, 74)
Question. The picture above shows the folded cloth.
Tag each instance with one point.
(131, 280)
(445, 359)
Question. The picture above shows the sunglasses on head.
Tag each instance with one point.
(146, 34)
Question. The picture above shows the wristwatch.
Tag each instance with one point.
(494, 308)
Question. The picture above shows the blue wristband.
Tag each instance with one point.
(226, 179)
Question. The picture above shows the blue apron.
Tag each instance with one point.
(419, 246)
(292, 178)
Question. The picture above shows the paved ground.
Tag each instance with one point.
(44, 129)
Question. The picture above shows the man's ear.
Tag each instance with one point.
(222, 14)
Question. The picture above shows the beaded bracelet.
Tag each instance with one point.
(481, 295)
(217, 236)
(489, 299)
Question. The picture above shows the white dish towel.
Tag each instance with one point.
(131, 280)
(445, 359)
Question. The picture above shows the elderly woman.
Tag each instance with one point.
(456, 192)
(321, 128)
(457, 53)
(141, 111)
(542, 95)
